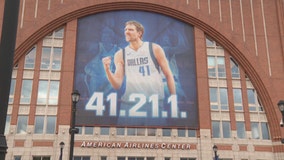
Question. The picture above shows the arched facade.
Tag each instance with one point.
(247, 30)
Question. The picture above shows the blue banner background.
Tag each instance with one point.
(102, 35)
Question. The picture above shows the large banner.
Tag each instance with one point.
(103, 35)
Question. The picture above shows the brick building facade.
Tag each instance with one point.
(245, 34)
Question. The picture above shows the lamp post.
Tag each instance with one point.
(62, 144)
(215, 149)
(75, 98)
(7, 49)
(281, 108)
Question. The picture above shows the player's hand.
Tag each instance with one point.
(106, 62)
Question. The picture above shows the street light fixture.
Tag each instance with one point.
(75, 98)
(281, 108)
(215, 149)
(62, 144)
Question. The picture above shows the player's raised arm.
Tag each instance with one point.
(115, 78)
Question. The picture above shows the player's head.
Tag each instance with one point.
(139, 27)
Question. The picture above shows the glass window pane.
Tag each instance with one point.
(59, 33)
(238, 107)
(22, 124)
(42, 92)
(181, 132)
(211, 66)
(226, 129)
(214, 107)
(216, 129)
(86, 158)
(7, 124)
(141, 131)
(57, 52)
(77, 158)
(213, 95)
(120, 131)
(17, 157)
(167, 132)
(265, 131)
(51, 123)
(255, 130)
(151, 131)
(53, 93)
(252, 100)
(237, 99)
(241, 133)
(45, 58)
(36, 158)
(260, 108)
(213, 98)
(26, 91)
(45, 158)
(209, 42)
(39, 124)
(131, 131)
(191, 133)
(251, 97)
(237, 95)
(30, 59)
(224, 98)
(252, 108)
(104, 130)
(89, 130)
(12, 91)
(221, 67)
(234, 69)
(80, 129)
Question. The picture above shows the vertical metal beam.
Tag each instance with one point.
(7, 49)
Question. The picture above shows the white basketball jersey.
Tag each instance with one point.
(142, 74)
